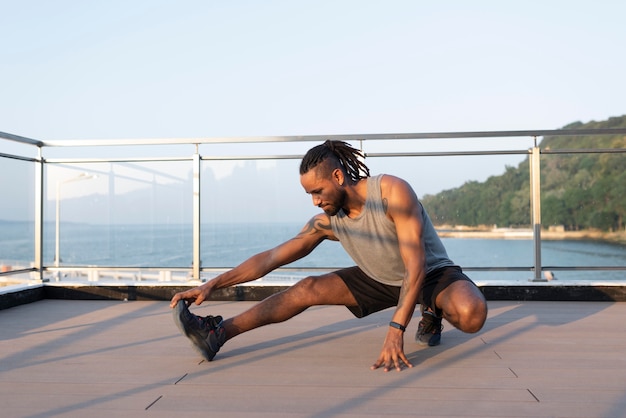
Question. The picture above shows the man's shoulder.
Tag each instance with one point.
(388, 181)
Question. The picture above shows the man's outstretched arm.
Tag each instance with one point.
(257, 266)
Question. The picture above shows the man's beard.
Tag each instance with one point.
(333, 208)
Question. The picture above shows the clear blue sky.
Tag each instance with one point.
(81, 69)
(149, 68)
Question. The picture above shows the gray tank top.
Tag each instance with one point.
(372, 242)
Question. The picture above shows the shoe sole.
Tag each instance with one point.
(434, 343)
(200, 344)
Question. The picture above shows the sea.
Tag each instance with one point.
(227, 245)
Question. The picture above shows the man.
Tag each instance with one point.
(384, 228)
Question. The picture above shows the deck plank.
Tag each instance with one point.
(113, 358)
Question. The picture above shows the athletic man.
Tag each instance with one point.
(400, 261)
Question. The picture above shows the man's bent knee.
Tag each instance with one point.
(471, 316)
(464, 306)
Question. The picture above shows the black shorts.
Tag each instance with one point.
(373, 296)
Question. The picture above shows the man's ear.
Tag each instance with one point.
(338, 176)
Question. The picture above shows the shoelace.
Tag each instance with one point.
(210, 322)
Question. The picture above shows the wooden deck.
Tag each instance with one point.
(111, 358)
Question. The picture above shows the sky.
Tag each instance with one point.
(87, 69)
(80, 69)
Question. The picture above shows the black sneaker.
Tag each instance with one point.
(207, 334)
(429, 329)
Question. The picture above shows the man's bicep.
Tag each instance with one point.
(407, 217)
(404, 207)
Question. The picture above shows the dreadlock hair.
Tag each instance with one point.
(341, 154)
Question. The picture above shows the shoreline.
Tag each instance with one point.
(527, 233)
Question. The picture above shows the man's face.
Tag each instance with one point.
(326, 192)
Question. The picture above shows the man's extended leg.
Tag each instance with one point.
(209, 334)
(328, 289)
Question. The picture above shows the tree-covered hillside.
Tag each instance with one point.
(579, 191)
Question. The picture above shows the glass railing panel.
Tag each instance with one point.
(269, 206)
(251, 206)
(131, 214)
(483, 219)
(583, 209)
(17, 237)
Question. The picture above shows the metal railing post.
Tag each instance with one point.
(196, 216)
(39, 199)
(535, 190)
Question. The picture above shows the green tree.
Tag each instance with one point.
(579, 190)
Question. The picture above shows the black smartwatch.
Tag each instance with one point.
(398, 326)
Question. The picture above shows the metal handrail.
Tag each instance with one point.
(533, 152)
(318, 138)
(21, 139)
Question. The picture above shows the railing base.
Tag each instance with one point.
(591, 293)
